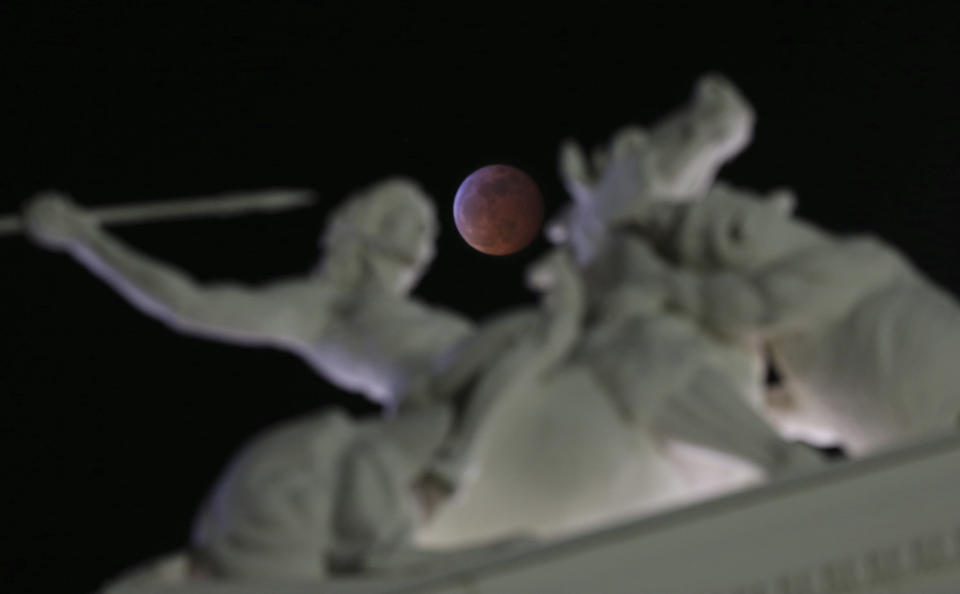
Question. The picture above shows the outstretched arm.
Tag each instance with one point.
(282, 315)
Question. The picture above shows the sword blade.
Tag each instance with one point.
(221, 205)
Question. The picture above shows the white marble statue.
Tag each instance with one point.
(666, 375)
(354, 322)
(634, 386)
(863, 339)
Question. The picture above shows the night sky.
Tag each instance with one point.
(113, 426)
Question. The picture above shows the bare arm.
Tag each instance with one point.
(548, 335)
(282, 315)
(550, 330)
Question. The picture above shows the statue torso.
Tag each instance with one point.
(377, 344)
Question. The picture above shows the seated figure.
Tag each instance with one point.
(326, 493)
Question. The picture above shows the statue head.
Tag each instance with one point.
(674, 161)
(383, 235)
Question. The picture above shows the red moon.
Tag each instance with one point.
(498, 210)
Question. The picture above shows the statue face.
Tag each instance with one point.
(406, 234)
(403, 246)
(386, 233)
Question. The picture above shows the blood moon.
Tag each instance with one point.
(498, 210)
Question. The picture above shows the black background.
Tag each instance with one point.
(113, 426)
